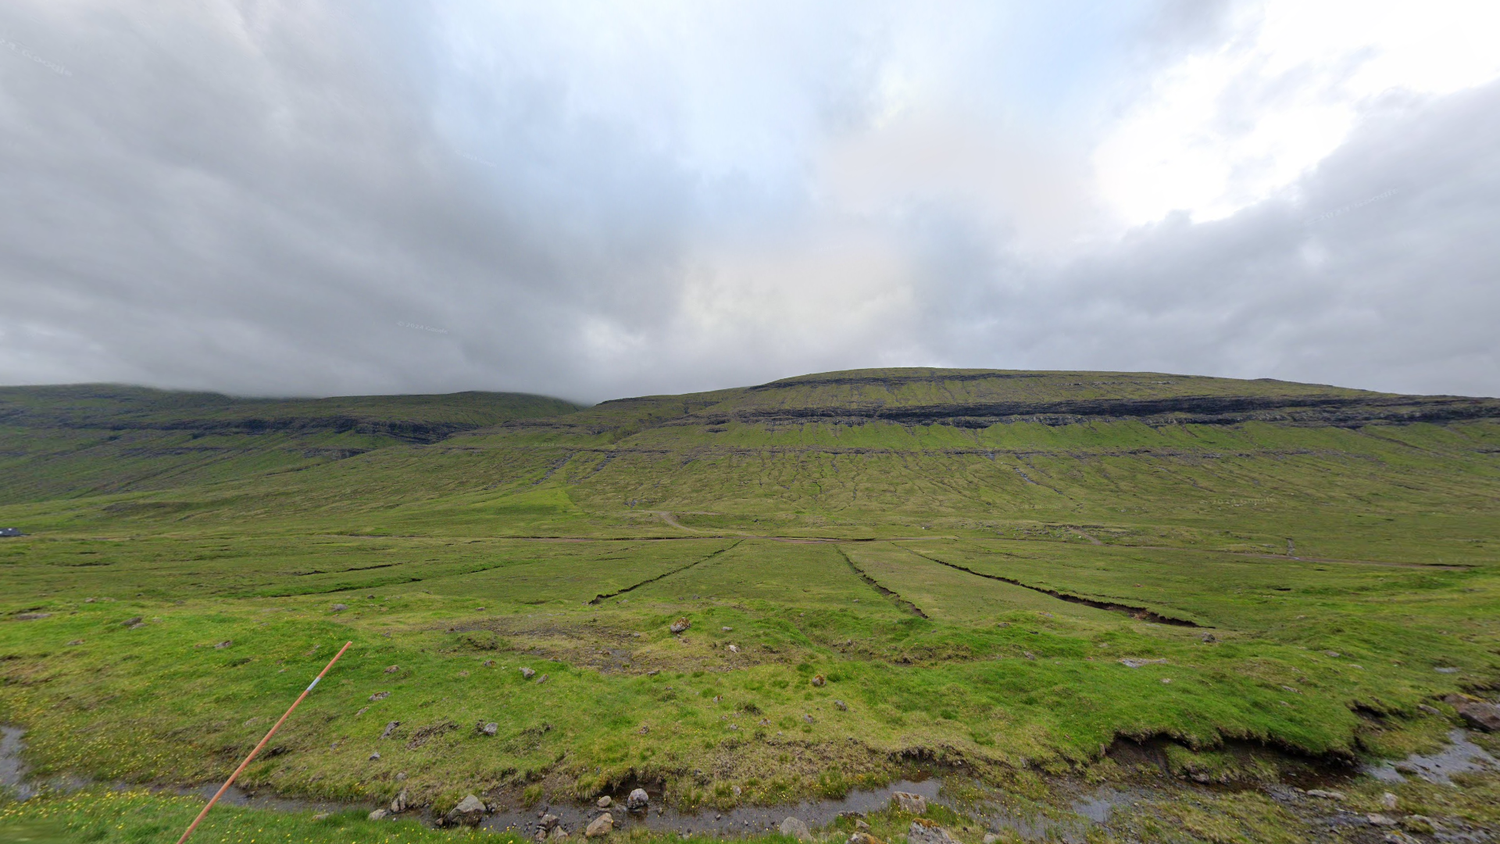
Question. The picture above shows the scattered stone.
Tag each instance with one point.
(600, 826)
(795, 828)
(1377, 819)
(1029, 655)
(380, 696)
(734, 649)
(76, 642)
(401, 777)
(468, 812)
(550, 822)
(726, 629)
(487, 729)
(375, 757)
(905, 801)
(807, 718)
(378, 815)
(604, 802)
(1430, 710)
(1135, 662)
(527, 673)
(819, 680)
(1418, 823)
(1326, 794)
(1445, 670)
(1480, 715)
(32, 616)
(1166, 681)
(132, 623)
(1208, 638)
(399, 804)
(645, 729)
(991, 838)
(224, 644)
(362, 710)
(390, 729)
(1333, 654)
(679, 626)
(842, 707)
(322, 816)
(924, 831)
(340, 607)
(392, 669)
(861, 825)
(637, 801)
(557, 834)
(542, 679)
(1389, 801)
(489, 663)
(862, 837)
(463, 673)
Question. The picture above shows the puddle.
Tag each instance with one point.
(1461, 756)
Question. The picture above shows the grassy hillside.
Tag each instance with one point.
(92, 438)
(1021, 576)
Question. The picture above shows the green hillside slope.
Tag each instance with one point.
(1022, 576)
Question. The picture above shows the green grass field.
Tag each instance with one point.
(961, 559)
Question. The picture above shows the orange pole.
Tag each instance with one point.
(227, 783)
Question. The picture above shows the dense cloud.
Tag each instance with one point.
(595, 201)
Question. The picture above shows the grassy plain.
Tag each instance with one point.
(963, 558)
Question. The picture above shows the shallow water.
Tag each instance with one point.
(1461, 756)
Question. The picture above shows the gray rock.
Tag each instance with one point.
(380, 696)
(795, 828)
(557, 834)
(1480, 715)
(527, 673)
(680, 625)
(392, 669)
(991, 838)
(603, 802)
(224, 644)
(842, 707)
(1429, 710)
(1445, 670)
(1208, 638)
(862, 837)
(32, 616)
(1135, 662)
(322, 816)
(1333, 654)
(905, 801)
(1389, 801)
(549, 822)
(819, 680)
(340, 607)
(378, 814)
(133, 622)
(390, 729)
(468, 812)
(638, 801)
(600, 826)
(375, 757)
(399, 804)
(1325, 794)
(489, 729)
(542, 679)
(1377, 819)
(924, 831)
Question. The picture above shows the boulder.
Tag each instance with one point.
(819, 680)
(680, 625)
(399, 804)
(924, 831)
(340, 607)
(1480, 715)
(600, 826)
(378, 814)
(991, 838)
(841, 706)
(390, 729)
(550, 822)
(603, 802)
(133, 622)
(489, 729)
(638, 801)
(468, 812)
(795, 828)
(527, 673)
(905, 801)
(557, 834)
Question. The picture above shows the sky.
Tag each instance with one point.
(594, 200)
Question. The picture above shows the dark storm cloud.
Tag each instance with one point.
(317, 202)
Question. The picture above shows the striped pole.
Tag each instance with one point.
(227, 783)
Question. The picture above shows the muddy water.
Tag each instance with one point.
(1461, 756)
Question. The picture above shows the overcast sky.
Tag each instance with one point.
(595, 200)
